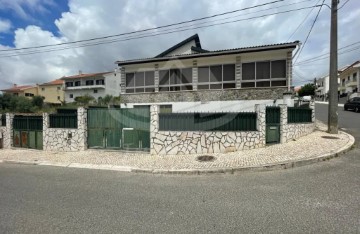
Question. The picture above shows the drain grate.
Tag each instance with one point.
(205, 158)
(330, 137)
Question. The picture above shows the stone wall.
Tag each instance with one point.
(207, 95)
(7, 131)
(293, 131)
(201, 142)
(66, 139)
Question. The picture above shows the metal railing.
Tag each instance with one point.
(63, 121)
(299, 115)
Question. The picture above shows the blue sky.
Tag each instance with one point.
(26, 23)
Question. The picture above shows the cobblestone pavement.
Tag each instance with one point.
(306, 147)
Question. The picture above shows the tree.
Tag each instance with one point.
(307, 90)
(84, 100)
(38, 101)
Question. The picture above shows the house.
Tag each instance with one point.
(23, 90)
(53, 92)
(350, 79)
(187, 77)
(93, 84)
(322, 87)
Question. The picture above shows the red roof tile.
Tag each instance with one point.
(54, 82)
(18, 88)
(84, 75)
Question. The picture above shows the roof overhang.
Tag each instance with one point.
(291, 45)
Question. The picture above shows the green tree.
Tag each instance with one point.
(84, 100)
(307, 90)
(38, 101)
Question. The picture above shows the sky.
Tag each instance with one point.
(31, 23)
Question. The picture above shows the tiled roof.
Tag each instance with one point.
(54, 82)
(18, 88)
(214, 53)
(350, 66)
(84, 75)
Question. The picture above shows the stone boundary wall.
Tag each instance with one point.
(7, 131)
(293, 131)
(201, 142)
(66, 139)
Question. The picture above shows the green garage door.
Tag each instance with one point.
(28, 132)
(119, 128)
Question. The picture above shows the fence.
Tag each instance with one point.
(299, 115)
(244, 121)
(63, 120)
(3, 120)
(28, 122)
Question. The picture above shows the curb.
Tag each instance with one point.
(320, 102)
(264, 167)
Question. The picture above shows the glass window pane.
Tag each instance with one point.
(248, 71)
(164, 77)
(229, 72)
(129, 90)
(187, 87)
(130, 79)
(215, 86)
(248, 84)
(229, 86)
(149, 90)
(139, 79)
(186, 75)
(278, 83)
(215, 73)
(175, 76)
(263, 84)
(262, 70)
(175, 88)
(163, 89)
(203, 74)
(203, 86)
(278, 69)
(149, 78)
(139, 90)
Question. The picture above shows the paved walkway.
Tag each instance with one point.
(303, 149)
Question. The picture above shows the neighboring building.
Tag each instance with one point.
(188, 78)
(53, 92)
(24, 90)
(95, 84)
(322, 87)
(350, 79)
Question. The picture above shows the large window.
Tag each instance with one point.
(264, 74)
(175, 79)
(88, 82)
(216, 77)
(140, 82)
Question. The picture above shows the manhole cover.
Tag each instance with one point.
(330, 137)
(205, 158)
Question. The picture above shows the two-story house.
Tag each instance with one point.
(187, 77)
(322, 87)
(22, 90)
(53, 92)
(94, 84)
(350, 79)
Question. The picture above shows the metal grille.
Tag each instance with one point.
(299, 115)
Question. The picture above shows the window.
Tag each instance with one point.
(42, 89)
(264, 74)
(354, 77)
(77, 83)
(95, 91)
(100, 82)
(88, 82)
(217, 77)
(58, 88)
(29, 94)
(140, 82)
(58, 97)
(348, 78)
(69, 84)
(175, 79)
(71, 96)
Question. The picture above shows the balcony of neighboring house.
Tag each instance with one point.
(85, 84)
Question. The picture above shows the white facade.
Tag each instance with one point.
(322, 86)
(96, 85)
(349, 79)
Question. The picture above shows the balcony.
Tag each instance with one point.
(85, 87)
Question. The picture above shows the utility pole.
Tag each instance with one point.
(333, 89)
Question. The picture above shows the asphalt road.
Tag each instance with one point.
(320, 198)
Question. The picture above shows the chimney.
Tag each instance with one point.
(80, 72)
(15, 85)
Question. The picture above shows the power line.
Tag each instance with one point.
(149, 29)
(151, 35)
(312, 26)
(343, 4)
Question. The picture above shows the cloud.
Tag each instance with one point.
(5, 26)
(93, 18)
(21, 7)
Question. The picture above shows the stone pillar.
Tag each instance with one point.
(8, 133)
(195, 75)
(283, 122)
(238, 72)
(289, 69)
(156, 78)
(122, 81)
(261, 123)
(82, 127)
(312, 107)
(154, 126)
(46, 123)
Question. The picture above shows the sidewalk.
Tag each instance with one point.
(306, 150)
(319, 102)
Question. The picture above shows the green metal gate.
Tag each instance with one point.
(28, 131)
(272, 124)
(119, 128)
